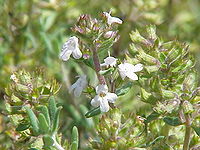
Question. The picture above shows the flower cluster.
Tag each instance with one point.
(88, 25)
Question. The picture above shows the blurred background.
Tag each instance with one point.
(32, 33)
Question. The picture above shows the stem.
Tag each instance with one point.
(187, 133)
(56, 144)
(98, 67)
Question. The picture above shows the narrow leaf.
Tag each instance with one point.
(75, 134)
(197, 130)
(44, 127)
(22, 126)
(74, 146)
(33, 120)
(173, 121)
(124, 89)
(52, 108)
(93, 112)
(48, 141)
(44, 110)
(153, 116)
(56, 120)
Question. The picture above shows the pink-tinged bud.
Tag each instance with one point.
(110, 34)
(86, 56)
(78, 29)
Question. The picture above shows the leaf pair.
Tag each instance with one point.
(47, 121)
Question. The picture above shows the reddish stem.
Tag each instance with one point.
(98, 67)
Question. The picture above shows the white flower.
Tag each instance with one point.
(79, 85)
(71, 46)
(109, 61)
(111, 20)
(128, 70)
(103, 97)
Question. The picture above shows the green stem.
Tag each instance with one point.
(187, 133)
(56, 144)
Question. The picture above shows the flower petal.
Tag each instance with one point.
(101, 88)
(112, 20)
(138, 67)
(122, 71)
(64, 55)
(112, 61)
(104, 106)
(78, 91)
(73, 86)
(111, 97)
(77, 53)
(132, 75)
(95, 101)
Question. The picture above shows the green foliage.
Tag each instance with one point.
(31, 35)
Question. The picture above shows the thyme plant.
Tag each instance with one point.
(163, 71)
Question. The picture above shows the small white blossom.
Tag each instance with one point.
(109, 61)
(103, 97)
(79, 85)
(71, 46)
(111, 20)
(128, 70)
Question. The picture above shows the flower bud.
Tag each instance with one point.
(23, 88)
(168, 94)
(136, 37)
(110, 34)
(148, 58)
(16, 100)
(187, 107)
(151, 30)
(95, 144)
(190, 83)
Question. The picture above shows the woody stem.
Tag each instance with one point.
(187, 133)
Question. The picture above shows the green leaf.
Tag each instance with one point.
(75, 137)
(33, 120)
(153, 68)
(147, 97)
(197, 130)
(147, 58)
(93, 112)
(153, 116)
(22, 126)
(86, 122)
(167, 94)
(155, 140)
(162, 57)
(74, 146)
(151, 30)
(124, 89)
(106, 45)
(173, 121)
(33, 149)
(73, 112)
(56, 120)
(48, 141)
(105, 72)
(44, 127)
(52, 108)
(89, 62)
(44, 110)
